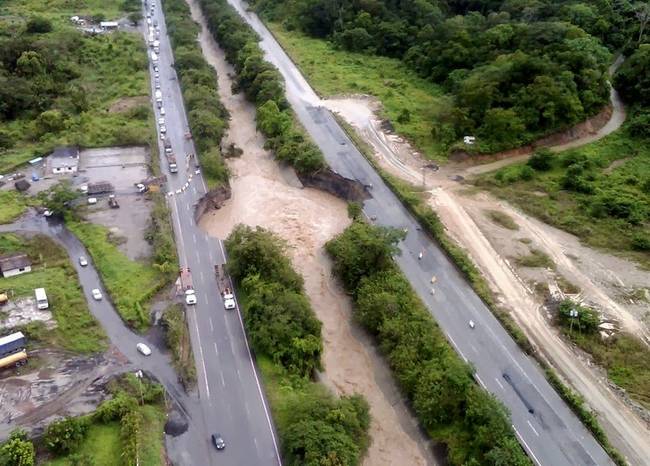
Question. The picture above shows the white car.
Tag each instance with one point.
(144, 349)
(163, 129)
(92, 200)
(229, 301)
(83, 188)
(97, 295)
(83, 262)
(156, 74)
(161, 120)
(48, 213)
(472, 324)
(190, 297)
(149, 21)
(162, 110)
(157, 85)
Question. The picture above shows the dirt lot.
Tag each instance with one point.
(264, 194)
(603, 280)
(52, 385)
(23, 311)
(122, 167)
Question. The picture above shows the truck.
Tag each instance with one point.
(169, 154)
(186, 286)
(14, 360)
(112, 202)
(12, 343)
(41, 299)
(225, 287)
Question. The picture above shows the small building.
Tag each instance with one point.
(100, 188)
(64, 160)
(22, 185)
(15, 263)
(108, 25)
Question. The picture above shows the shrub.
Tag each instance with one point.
(541, 160)
(38, 25)
(66, 435)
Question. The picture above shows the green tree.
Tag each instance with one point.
(38, 25)
(18, 450)
(135, 17)
(541, 160)
(65, 436)
(633, 77)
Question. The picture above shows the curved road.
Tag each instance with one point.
(547, 429)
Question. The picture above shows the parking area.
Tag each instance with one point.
(123, 168)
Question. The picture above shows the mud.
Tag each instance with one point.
(268, 195)
(600, 276)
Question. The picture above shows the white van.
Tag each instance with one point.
(41, 298)
(154, 57)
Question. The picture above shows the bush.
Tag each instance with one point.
(586, 321)
(38, 25)
(17, 450)
(65, 436)
(541, 160)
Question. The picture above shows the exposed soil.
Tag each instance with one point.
(599, 276)
(127, 103)
(54, 384)
(265, 194)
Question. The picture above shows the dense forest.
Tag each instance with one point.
(514, 70)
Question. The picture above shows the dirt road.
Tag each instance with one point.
(490, 248)
(265, 194)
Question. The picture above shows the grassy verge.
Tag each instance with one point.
(599, 192)
(91, 98)
(411, 197)
(76, 330)
(177, 336)
(131, 284)
(315, 426)
(535, 258)
(408, 101)
(12, 206)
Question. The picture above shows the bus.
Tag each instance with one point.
(41, 298)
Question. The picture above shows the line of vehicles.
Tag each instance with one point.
(186, 287)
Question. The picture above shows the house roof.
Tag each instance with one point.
(100, 187)
(62, 157)
(15, 260)
(22, 185)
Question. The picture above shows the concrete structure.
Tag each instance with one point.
(15, 264)
(108, 25)
(64, 160)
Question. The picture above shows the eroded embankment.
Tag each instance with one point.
(265, 194)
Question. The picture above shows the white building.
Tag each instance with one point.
(64, 160)
(15, 264)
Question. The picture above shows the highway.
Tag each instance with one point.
(545, 426)
(230, 395)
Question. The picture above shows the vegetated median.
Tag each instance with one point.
(413, 199)
(177, 337)
(452, 408)
(76, 329)
(315, 426)
(208, 118)
(263, 86)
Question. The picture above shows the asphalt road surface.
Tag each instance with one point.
(230, 395)
(547, 429)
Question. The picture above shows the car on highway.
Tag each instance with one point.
(190, 297)
(472, 324)
(144, 349)
(163, 129)
(162, 110)
(161, 120)
(97, 295)
(229, 301)
(82, 261)
(218, 441)
(92, 200)
(149, 21)
(157, 85)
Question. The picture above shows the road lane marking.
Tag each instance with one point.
(223, 381)
(223, 253)
(259, 388)
(202, 277)
(499, 383)
(211, 327)
(193, 237)
(473, 348)
(480, 381)
(523, 442)
(205, 372)
(457, 348)
(215, 346)
(533, 429)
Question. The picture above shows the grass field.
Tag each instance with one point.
(131, 284)
(12, 205)
(611, 209)
(77, 330)
(109, 67)
(100, 448)
(335, 72)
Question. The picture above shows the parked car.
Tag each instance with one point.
(92, 200)
(97, 295)
(218, 441)
(82, 261)
(144, 349)
(161, 120)
(163, 129)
